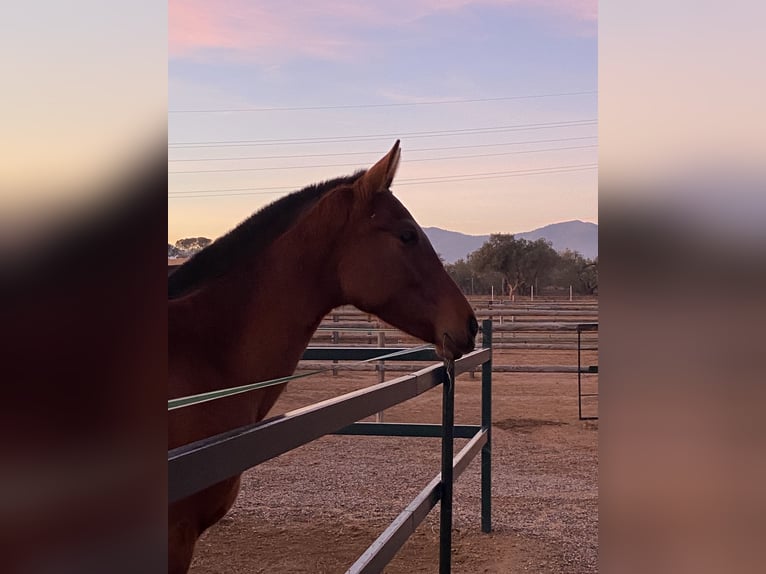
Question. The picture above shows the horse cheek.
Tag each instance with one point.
(358, 282)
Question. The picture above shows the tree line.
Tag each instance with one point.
(508, 265)
(511, 266)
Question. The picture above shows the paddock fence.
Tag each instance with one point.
(196, 466)
(540, 325)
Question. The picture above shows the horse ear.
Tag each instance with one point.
(379, 177)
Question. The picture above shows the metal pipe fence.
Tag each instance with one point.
(593, 369)
(196, 466)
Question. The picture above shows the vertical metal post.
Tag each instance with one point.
(579, 376)
(335, 341)
(381, 364)
(486, 424)
(448, 422)
(381, 370)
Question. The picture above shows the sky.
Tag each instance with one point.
(495, 103)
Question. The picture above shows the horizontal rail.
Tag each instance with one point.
(472, 360)
(544, 346)
(195, 466)
(408, 368)
(500, 312)
(541, 326)
(328, 330)
(406, 429)
(543, 369)
(516, 338)
(481, 313)
(198, 465)
(486, 304)
(338, 353)
(385, 547)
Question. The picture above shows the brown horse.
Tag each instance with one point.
(244, 309)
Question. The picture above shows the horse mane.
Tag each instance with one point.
(250, 237)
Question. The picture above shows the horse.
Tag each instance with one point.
(244, 308)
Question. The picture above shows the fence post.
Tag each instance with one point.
(335, 341)
(579, 375)
(381, 370)
(448, 448)
(486, 424)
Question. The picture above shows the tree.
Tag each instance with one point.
(462, 275)
(190, 245)
(173, 251)
(575, 270)
(589, 277)
(522, 263)
(539, 261)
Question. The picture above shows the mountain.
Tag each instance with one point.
(452, 245)
(575, 235)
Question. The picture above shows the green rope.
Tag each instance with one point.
(189, 400)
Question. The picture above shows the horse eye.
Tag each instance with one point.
(408, 236)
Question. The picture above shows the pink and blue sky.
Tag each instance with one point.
(495, 103)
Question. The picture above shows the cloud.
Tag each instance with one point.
(331, 29)
(242, 29)
(585, 10)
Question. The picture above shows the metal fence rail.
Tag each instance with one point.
(583, 328)
(196, 466)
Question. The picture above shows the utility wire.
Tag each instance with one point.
(377, 152)
(272, 168)
(404, 182)
(426, 134)
(387, 105)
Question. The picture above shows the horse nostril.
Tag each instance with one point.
(473, 326)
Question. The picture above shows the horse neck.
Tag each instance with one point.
(298, 286)
(257, 319)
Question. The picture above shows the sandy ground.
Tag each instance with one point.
(317, 508)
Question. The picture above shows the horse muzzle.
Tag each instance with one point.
(453, 347)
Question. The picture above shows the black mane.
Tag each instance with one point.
(251, 237)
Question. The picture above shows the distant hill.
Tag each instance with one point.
(575, 235)
(452, 245)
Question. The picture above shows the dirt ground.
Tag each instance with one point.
(317, 508)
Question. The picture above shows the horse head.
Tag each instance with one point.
(389, 267)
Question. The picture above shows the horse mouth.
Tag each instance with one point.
(451, 350)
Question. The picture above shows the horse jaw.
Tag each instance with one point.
(450, 350)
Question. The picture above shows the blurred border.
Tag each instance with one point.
(82, 279)
(682, 242)
(83, 319)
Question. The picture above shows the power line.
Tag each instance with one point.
(399, 183)
(342, 139)
(388, 105)
(496, 174)
(377, 152)
(272, 168)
